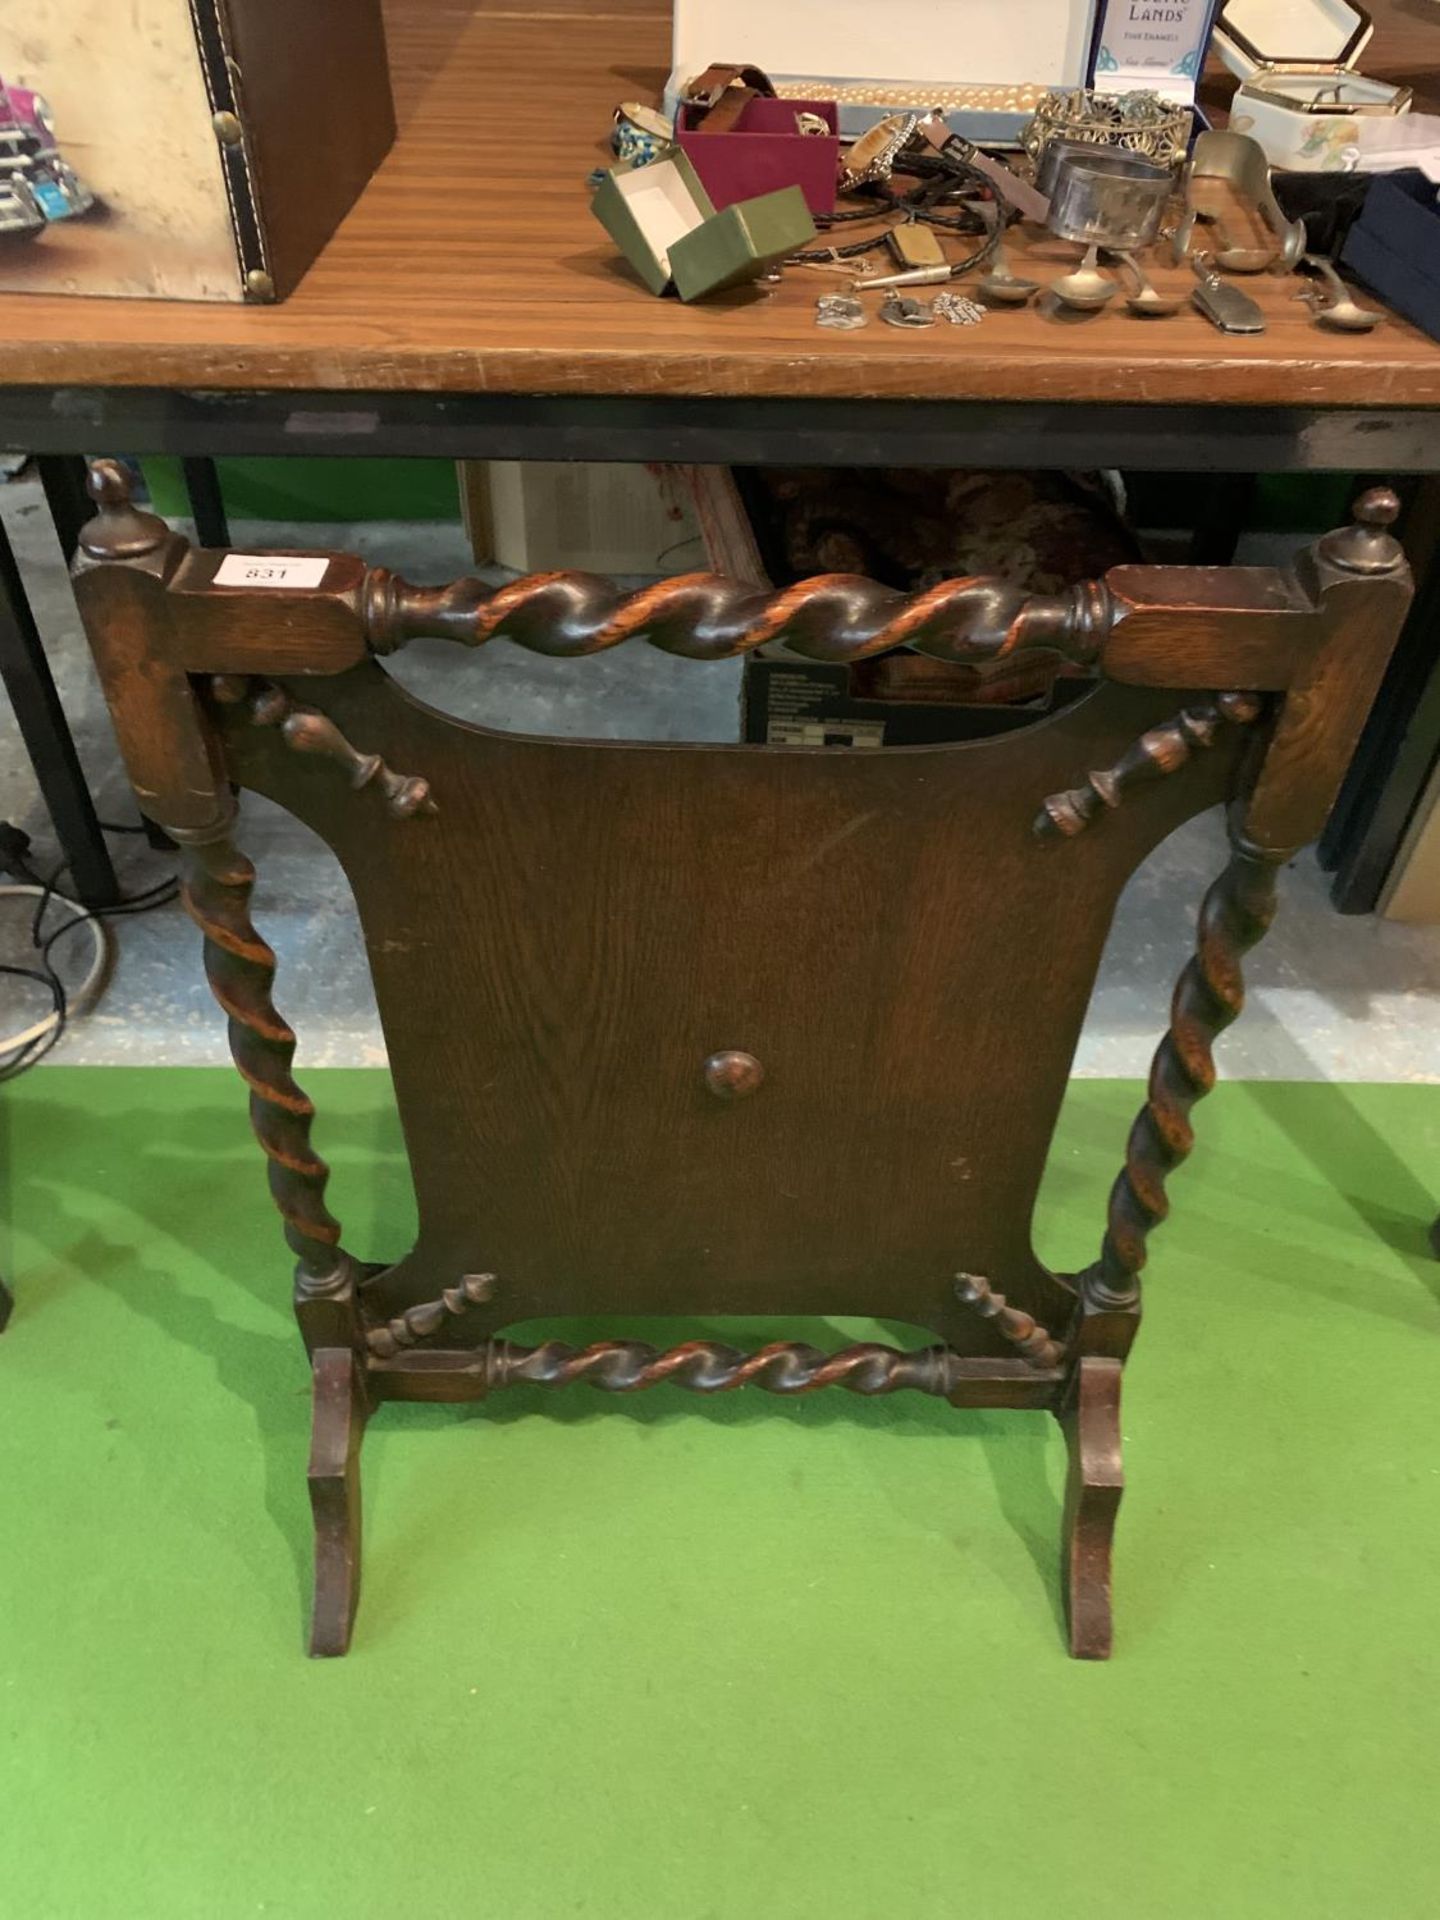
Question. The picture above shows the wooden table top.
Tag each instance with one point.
(472, 264)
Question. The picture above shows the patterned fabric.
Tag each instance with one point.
(910, 527)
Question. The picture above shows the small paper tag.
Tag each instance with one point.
(271, 570)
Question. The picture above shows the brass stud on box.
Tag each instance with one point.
(732, 1075)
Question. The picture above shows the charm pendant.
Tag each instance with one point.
(902, 310)
(958, 309)
(840, 310)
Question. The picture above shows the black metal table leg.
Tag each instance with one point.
(207, 504)
(62, 475)
(1401, 742)
(27, 678)
(1228, 510)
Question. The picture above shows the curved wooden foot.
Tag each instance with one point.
(340, 1409)
(1091, 1419)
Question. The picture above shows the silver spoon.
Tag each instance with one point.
(1147, 298)
(1341, 312)
(1001, 287)
(1086, 289)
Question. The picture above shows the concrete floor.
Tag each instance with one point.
(1331, 998)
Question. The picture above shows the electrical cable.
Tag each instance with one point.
(65, 1004)
(919, 203)
(20, 1052)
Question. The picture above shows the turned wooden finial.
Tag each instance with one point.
(120, 530)
(1367, 545)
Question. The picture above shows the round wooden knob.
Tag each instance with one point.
(1367, 545)
(119, 530)
(108, 484)
(731, 1075)
(1378, 507)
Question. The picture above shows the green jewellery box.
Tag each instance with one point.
(665, 224)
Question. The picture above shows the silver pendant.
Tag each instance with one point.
(841, 311)
(900, 310)
(958, 309)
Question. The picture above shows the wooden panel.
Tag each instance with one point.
(169, 755)
(1325, 707)
(471, 263)
(305, 630)
(558, 951)
(1239, 627)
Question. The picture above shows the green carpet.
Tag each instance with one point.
(709, 1659)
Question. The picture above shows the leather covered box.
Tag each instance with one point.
(183, 149)
(1395, 246)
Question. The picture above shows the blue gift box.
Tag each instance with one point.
(1394, 246)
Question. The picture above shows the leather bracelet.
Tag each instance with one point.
(1014, 191)
(707, 89)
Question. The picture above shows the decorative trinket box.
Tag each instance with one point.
(1300, 95)
(986, 66)
(184, 149)
(767, 145)
(666, 225)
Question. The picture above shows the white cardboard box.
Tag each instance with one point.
(985, 62)
(876, 56)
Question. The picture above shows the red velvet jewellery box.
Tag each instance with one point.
(764, 150)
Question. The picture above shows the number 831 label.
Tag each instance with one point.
(271, 570)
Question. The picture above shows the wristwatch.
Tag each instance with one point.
(872, 157)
